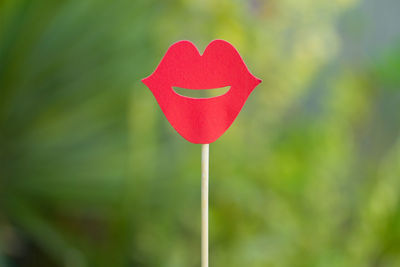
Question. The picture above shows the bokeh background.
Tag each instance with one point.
(92, 174)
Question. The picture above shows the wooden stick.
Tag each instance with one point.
(204, 204)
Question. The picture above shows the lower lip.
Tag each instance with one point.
(200, 120)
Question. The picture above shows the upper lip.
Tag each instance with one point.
(219, 66)
(195, 71)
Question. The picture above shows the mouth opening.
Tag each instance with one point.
(202, 93)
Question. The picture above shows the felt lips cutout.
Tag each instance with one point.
(201, 120)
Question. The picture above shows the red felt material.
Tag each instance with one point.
(201, 120)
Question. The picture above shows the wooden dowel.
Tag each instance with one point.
(204, 204)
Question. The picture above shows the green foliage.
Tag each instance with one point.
(91, 173)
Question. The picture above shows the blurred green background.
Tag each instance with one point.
(92, 174)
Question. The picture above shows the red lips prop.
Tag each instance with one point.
(201, 121)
